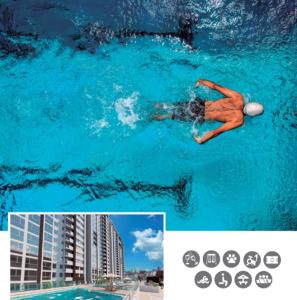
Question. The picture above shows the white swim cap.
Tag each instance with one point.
(253, 109)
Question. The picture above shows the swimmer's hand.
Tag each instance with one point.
(197, 83)
(198, 139)
(206, 83)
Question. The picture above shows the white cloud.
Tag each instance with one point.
(150, 242)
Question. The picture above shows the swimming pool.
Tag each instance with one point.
(76, 133)
(73, 294)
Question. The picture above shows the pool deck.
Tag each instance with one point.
(60, 289)
(149, 296)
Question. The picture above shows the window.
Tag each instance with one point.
(48, 237)
(35, 219)
(30, 275)
(17, 221)
(47, 265)
(15, 261)
(16, 247)
(31, 263)
(33, 240)
(47, 254)
(15, 287)
(46, 275)
(33, 228)
(48, 228)
(49, 219)
(17, 234)
(33, 251)
(47, 247)
(15, 275)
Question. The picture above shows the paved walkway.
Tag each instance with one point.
(149, 296)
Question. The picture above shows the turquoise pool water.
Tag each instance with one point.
(76, 294)
(76, 133)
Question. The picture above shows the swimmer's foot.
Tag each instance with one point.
(162, 117)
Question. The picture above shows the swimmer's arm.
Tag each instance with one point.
(213, 133)
(226, 92)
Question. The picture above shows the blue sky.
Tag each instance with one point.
(142, 236)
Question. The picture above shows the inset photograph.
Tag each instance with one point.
(86, 256)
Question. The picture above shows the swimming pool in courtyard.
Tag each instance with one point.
(77, 135)
(73, 294)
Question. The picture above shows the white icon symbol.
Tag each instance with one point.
(192, 258)
(232, 258)
(272, 260)
(223, 281)
(243, 280)
(204, 280)
(211, 258)
(252, 260)
(264, 279)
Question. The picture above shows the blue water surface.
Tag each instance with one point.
(76, 133)
(74, 294)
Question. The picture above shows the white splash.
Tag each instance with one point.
(125, 109)
(98, 125)
(194, 130)
(117, 87)
(87, 94)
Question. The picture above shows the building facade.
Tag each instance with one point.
(33, 250)
(105, 246)
(62, 249)
(71, 254)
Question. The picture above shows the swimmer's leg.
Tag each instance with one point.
(163, 117)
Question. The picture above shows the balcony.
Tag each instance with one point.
(69, 240)
(68, 254)
(69, 233)
(68, 279)
(68, 270)
(69, 247)
(69, 225)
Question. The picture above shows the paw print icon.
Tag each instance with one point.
(231, 259)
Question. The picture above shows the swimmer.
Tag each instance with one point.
(229, 110)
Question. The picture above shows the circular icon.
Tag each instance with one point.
(272, 260)
(223, 279)
(252, 260)
(243, 279)
(231, 259)
(203, 279)
(263, 279)
(211, 259)
(191, 259)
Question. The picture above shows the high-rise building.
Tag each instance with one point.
(33, 250)
(58, 248)
(105, 248)
(71, 248)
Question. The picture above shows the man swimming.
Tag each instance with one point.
(230, 110)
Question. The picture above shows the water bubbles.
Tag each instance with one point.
(97, 125)
(125, 110)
